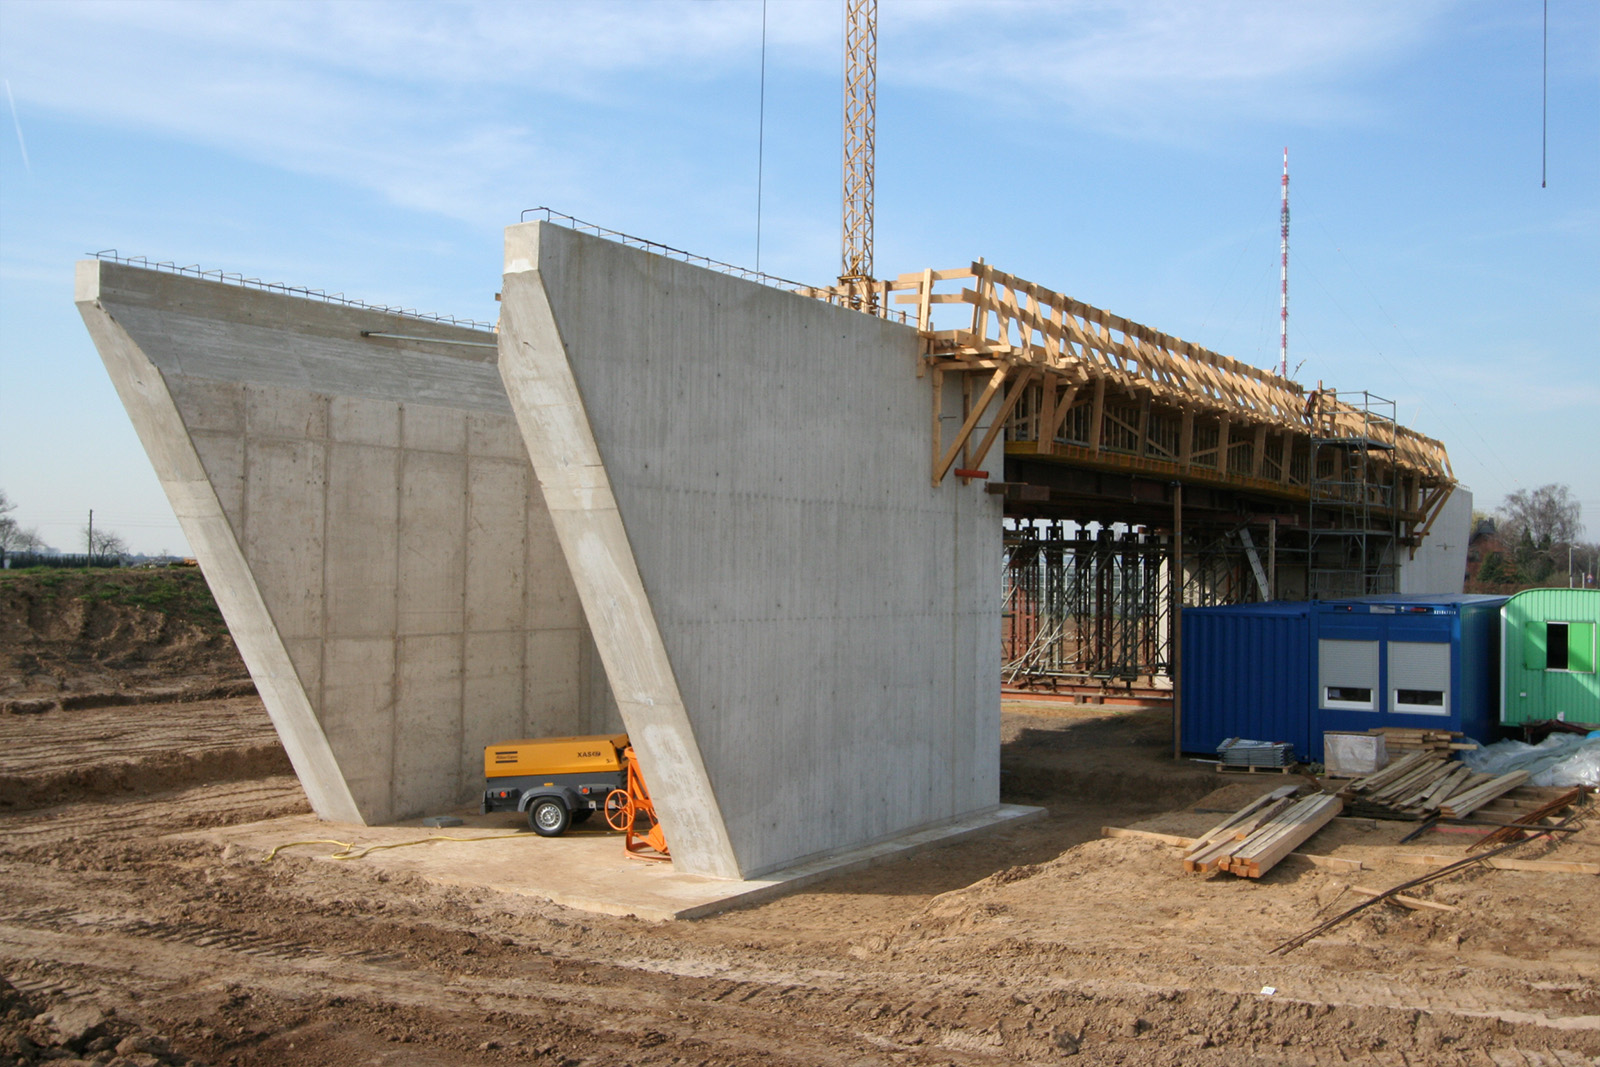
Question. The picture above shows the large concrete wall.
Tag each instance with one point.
(366, 515)
(802, 633)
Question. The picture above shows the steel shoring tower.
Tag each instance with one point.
(1092, 609)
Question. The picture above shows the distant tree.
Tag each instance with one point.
(1542, 523)
(1494, 569)
(8, 525)
(104, 544)
(1548, 514)
(13, 537)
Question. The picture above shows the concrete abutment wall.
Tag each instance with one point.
(802, 632)
(728, 489)
(367, 518)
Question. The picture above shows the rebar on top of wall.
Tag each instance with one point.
(1087, 607)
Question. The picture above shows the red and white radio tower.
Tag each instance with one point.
(1283, 306)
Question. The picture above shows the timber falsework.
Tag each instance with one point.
(1067, 381)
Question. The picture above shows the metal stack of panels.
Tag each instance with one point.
(1238, 752)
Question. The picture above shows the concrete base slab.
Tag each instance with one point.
(585, 869)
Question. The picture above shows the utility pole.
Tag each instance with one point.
(90, 546)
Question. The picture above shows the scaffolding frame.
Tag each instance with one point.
(1353, 514)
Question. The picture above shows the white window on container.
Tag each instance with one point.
(1348, 674)
(1419, 677)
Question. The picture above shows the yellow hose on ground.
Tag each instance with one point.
(348, 849)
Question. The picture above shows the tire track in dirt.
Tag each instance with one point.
(118, 822)
(293, 970)
(1093, 949)
(44, 744)
(745, 1012)
(63, 755)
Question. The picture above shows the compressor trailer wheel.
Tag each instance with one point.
(549, 817)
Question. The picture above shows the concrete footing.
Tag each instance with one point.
(586, 870)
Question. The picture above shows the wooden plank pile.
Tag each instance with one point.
(1535, 808)
(1426, 784)
(1404, 740)
(1253, 839)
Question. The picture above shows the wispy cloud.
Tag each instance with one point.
(451, 107)
(1165, 68)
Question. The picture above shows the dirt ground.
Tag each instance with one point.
(1044, 943)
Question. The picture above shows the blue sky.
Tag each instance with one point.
(1126, 154)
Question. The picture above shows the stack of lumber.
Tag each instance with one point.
(1253, 839)
(1425, 784)
(1463, 803)
(1403, 740)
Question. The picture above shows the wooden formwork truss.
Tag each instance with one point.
(1063, 378)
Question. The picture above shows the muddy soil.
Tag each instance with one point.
(1046, 943)
(94, 638)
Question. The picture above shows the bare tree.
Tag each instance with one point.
(1548, 514)
(103, 544)
(13, 537)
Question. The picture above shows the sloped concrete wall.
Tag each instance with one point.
(365, 513)
(802, 633)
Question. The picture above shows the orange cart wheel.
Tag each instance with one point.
(619, 809)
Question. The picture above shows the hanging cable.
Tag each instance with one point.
(1544, 104)
(761, 131)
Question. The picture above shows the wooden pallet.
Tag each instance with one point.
(1291, 768)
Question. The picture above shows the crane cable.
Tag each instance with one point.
(761, 132)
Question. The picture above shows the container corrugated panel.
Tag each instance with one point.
(1246, 674)
(1550, 671)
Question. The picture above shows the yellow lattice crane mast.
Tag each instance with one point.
(860, 113)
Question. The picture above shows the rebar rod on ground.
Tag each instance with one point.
(1434, 875)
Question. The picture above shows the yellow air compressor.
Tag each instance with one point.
(557, 781)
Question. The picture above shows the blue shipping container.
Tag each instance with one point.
(1288, 671)
(1246, 673)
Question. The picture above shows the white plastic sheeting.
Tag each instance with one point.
(1558, 760)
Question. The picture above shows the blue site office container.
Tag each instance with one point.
(1290, 670)
(1246, 673)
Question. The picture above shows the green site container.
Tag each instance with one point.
(1549, 653)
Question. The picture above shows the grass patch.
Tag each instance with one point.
(180, 593)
